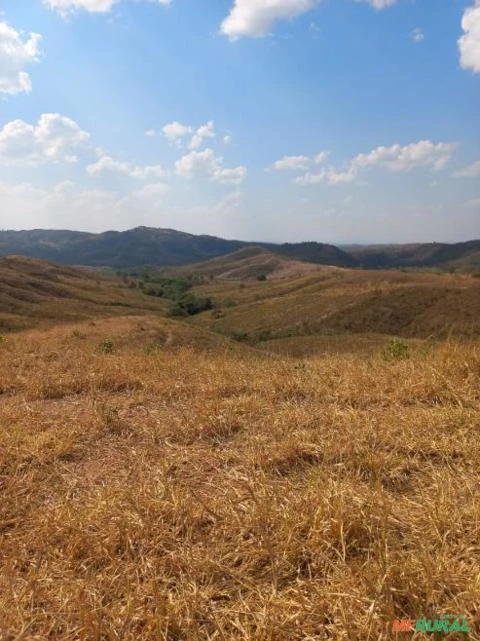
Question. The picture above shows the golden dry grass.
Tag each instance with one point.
(337, 301)
(36, 292)
(177, 493)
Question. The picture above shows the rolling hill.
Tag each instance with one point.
(332, 302)
(36, 292)
(455, 256)
(148, 246)
(168, 247)
(248, 263)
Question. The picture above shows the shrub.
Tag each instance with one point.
(261, 277)
(106, 346)
(240, 335)
(2, 339)
(176, 311)
(397, 349)
(190, 305)
(265, 335)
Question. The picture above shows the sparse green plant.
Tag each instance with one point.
(397, 349)
(106, 346)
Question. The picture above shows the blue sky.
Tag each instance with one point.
(284, 120)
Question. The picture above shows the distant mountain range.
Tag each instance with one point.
(168, 247)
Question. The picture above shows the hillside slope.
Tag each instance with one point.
(147, 246)
(36, 291)
(341, 301)
(459, 255)
(248, 263)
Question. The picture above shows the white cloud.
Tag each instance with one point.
(227, 140)
(203, 132)
(380, 4)
(472, 171)
(106, 164)
(234, 176)
(197, 163)
(26, 206)
(299, 163)
(229, 204)
(473, 204)
(150, 133)
(291, 163)
(256, 17)
(404, 158)
(54, 138)
(320, 158)
(175, 132)
(64, 7)
(329, 176)
(469, 43)
(396, 158)
(206, 163)
(16, 53)
(417, 35)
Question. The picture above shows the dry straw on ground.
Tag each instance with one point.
(156, 492)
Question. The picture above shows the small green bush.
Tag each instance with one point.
(397, 349)
(106, 346)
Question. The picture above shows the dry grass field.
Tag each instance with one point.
(159, 482)
(35, 292)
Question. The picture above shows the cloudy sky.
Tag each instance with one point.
(284, 120)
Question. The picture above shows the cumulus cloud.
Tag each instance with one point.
(16, 53)
(206, 163)
(329, 176)
(299, 163)
(27, 206)
(472, 171)
(417, 35)
(396, 158)
(64, 7)
(175, 132)
(203, 132)
(405, 158)
(54, 138)
(234, 176)
(256, 17)
(106, 164)
(291, 163)
(320, 158)
(469, 43)
(379, 4)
